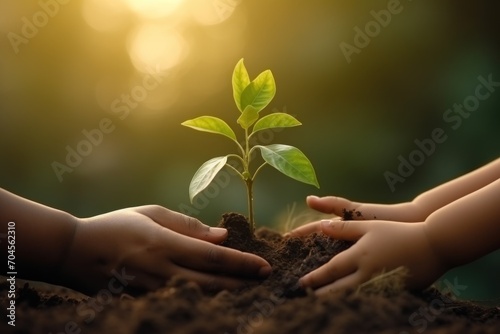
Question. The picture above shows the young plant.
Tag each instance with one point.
(251, 98)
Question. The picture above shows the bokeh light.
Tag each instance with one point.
(105, 16)
(153, 8)
(156, 45)
(212, 12)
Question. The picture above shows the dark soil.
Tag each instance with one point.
(276, 305)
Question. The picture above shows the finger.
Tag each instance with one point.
(348, 282)
(203, 256)
(332, 204)
(139, 273)
(404, 212)
(338, 267)
(138, 282)
(183, 224)
(208, 281)
(161, 272)
(345, 230)
(313, 227)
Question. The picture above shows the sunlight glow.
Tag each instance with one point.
(153, 8)
(104, 15)
(156, 46)
(213, 12)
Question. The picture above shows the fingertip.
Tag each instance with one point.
(265, 271)
(218, 231)
(341, 229)
(326, 223)
(313, 199)
(305, 281)
(327, 226)
(301, 284)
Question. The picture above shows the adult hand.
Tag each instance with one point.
(147, 245)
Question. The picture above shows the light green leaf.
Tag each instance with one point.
(276, 120)
(240, 81)
(248, 117)
(212, 125)
(259, 92)
(290, 161)
(204, 175)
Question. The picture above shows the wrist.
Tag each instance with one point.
(74, 257)
(46, 244)
(435, 242)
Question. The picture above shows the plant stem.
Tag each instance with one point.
(248, 180)
(249, 183)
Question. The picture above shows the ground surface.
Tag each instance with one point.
(276, 305)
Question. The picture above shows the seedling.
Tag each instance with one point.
(251, 97)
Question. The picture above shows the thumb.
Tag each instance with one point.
(344, 230)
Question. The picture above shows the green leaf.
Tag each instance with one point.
(276, 120)
(259, 92)
(248, 117)
(240, 81)
(290, 161)
(204, 175)
(212, 125)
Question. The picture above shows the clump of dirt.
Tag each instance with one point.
(275, 305)
(290, 257)
(349, 214)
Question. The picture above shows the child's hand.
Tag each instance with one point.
(381, 246)
(402, 212)
(147, 245)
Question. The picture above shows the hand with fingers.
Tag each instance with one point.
(381, 246)
(151, 244)
(452, 224)
(140, 247)
(415, 211)
(403, 212)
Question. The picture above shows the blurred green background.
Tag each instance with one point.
(64, 64)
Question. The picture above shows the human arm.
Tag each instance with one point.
(415, 211)
(43, 235)
(455, 234)
(150, 243)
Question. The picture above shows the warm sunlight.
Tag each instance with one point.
(153, 8)
(156, 36)
(155, 45)
(104, 15)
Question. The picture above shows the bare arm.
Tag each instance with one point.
(418, 209)
(147, 244)
(455, 234)
(467, 228)
(43, 235)
(446, 193)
